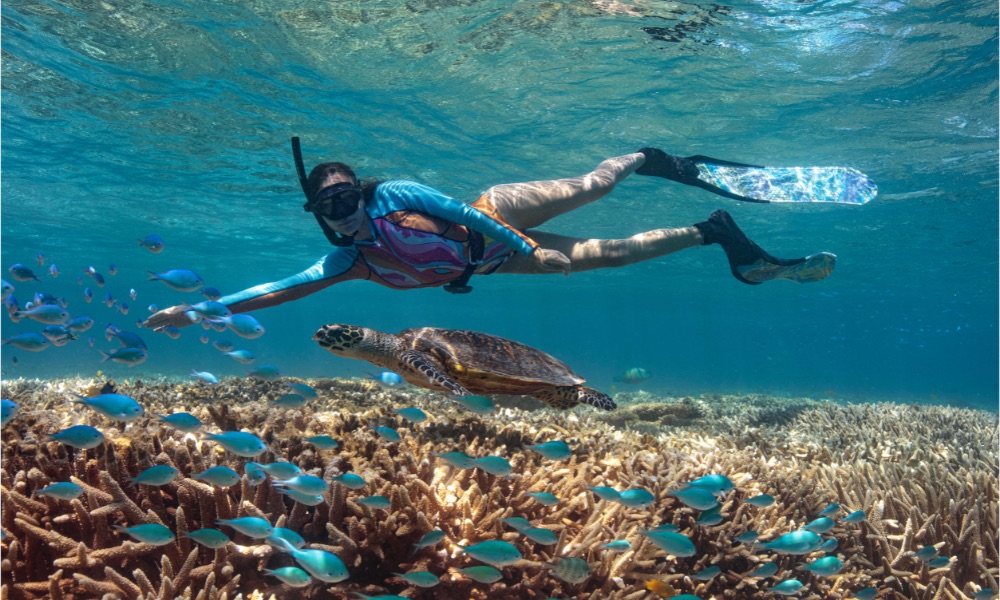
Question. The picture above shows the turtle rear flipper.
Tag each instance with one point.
(423, 364)
(567, 396)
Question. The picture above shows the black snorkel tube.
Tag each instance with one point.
(335, 238)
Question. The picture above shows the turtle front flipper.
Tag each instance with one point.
(565, 397)
(419, 362)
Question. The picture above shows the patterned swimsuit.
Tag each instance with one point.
(420, 239)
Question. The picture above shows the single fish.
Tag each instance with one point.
(671, 542)
(665, 527)
(544, 498)
(181, 280)
(459, 460)
(828, 566)
(132, 293)
(481, 405)
(222, 345)
(430, 538)
(109, 300)
(695, 497)
(941, 561)
(153, 243)
(820, 525)
(83, 437)
(387, 378)
(306, 484)
(203, 338)
(714, 482)
(707, 573)
(323, 442)
(156, 475)
(493, 552)
(376, 502)
(554, 450)
(88, 295)
(350, 481)
(926, 553)
(606, 493)
(636, 498)
(53, 270)
(571, 570)
(319, 563)
(748, 538)
(239, 443)
(243, 356)
(830, 510)
(112, 269)
(829, 545)
(795, 542)
(183, 421)
(7, 288)
(210, 309)
(243, 325)
(123, 308)
(210, 293)
(424, 579)
(126, 356)
(63, 490)
(79, 324)
(482, 574)
(170, 331)
(99, 279)
(292, 576)
(764, 570)
(710, 517)
(388, 434)
(281, 469)
(288, 535)
(411, 414)
(788, 587)
(254, 527)
(518, 523)
(616, 546)
(855, 517)
(664, 590)
(22, 273)
(265, 372)
(868, 593)
(307, 499)
(220, 476)
(494, 465)
(255, 475)
(40, 257)
(58, 335)
(761, 501)
(205, 377)
(634, 375)
(301, 389)
(540, 535)
(8, 409)
(113, 406)
(49, 314)
(289, 401)
(210, 538)
(148, 533)
(984, 594)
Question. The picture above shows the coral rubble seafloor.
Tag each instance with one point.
(924, 475)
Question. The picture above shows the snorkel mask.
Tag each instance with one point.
(334, 202)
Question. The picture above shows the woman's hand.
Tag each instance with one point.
(551, 260)
(169, 316)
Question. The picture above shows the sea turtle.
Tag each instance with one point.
(464, 363)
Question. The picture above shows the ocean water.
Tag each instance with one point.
(122, 119)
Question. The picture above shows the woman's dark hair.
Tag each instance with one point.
(322, 171)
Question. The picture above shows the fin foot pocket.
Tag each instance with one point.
(805, 270)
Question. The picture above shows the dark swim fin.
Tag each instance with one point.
(753, 183)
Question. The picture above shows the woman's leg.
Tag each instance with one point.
(527, 205)
(589, 254)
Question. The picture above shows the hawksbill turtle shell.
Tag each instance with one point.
(464, 362)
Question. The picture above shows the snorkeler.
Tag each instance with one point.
(404, 235)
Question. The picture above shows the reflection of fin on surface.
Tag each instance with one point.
(811, 268)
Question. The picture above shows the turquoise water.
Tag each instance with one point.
(125, 119)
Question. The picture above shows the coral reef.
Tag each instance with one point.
(925, 475)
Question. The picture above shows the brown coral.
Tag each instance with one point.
(924, 475)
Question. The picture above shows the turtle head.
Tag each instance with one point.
(342, 340)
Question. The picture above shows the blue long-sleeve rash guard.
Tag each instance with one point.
(420, 239)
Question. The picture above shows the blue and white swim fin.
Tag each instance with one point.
(752, 183)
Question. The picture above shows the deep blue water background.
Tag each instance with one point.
(124, 119)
